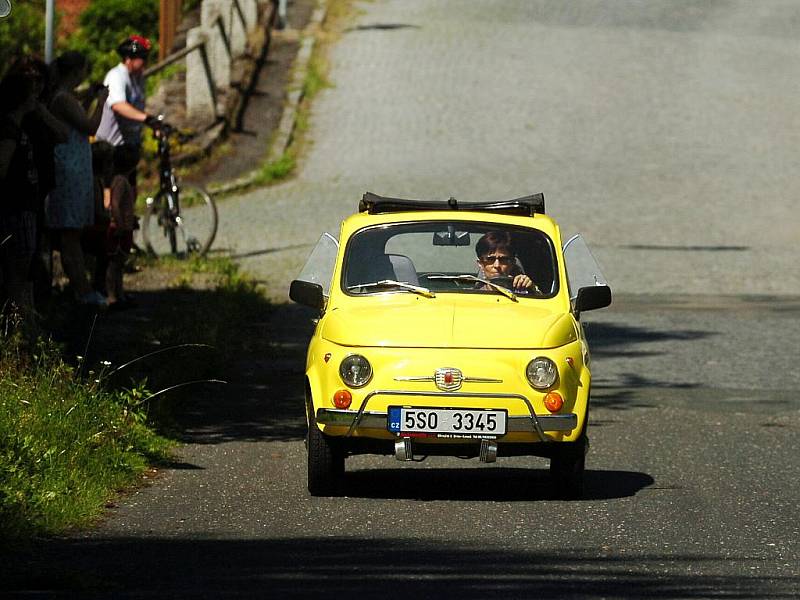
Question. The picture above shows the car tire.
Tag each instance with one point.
(325, 463)
(567, 470)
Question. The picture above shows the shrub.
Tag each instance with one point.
(22, 32)
(105, 23)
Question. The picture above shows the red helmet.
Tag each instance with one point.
(135, 46)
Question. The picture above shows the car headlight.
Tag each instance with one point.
(541, 373)
(355, 371)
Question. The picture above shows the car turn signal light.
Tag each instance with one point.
(342, 399)
(553, 402)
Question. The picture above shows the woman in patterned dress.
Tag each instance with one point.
(70, 206)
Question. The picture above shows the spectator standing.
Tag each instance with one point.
(94, 238)
(70, 206)
(112, 167)
(19, 185)
(42, 127)
(44, 131)
(124, 115)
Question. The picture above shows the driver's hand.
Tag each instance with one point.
(522, 282)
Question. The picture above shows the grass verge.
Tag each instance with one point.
(75, 431)
(66, 442)
(275, 171)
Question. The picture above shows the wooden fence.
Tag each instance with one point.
(170, 19)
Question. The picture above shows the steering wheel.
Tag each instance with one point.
(503, 280)
(453, 282)
(508, 282)
(434, 274)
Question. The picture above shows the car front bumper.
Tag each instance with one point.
(364, 419)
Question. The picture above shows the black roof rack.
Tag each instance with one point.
(527, 206)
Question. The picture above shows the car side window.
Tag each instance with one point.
(582, 268)
(321, 263)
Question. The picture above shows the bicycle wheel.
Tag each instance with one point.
(191, 232)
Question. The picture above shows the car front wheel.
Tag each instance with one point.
(325, 463)
(567, 470)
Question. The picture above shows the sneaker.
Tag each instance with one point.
(94, 298)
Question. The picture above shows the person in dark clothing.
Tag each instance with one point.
(42, 127)
(44, 131)
(19, 182)
(112, 243)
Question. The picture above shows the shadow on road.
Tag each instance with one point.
(496, 484)
(366, 567)
(614, 339)
(266, 251)
(382, 27)
(264, 400)
(628, 390)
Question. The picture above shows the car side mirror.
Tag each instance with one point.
(592, 297)
(308, 294)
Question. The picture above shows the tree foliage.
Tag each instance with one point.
(105, 23)
(22, 32)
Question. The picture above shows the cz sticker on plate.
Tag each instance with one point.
(446, 422)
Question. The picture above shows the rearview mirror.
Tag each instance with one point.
(307, 294)
(451, 237)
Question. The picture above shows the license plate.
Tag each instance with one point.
(447, 422)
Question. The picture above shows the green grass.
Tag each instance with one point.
(67, 443)
(316, 76)
(72, 436)
(275, 171)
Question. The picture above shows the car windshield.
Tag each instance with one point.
(451, 256)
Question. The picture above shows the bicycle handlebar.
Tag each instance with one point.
(163, 129)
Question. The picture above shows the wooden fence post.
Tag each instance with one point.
(169, 19)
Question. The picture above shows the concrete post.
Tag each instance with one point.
(219, 44)
(250, 10)
(238, 33)
(199, 99)
(233, 24)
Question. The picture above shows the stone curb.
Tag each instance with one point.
(285, 133)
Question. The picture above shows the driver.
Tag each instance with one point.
(497, 258)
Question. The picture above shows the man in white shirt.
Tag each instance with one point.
(123, 113)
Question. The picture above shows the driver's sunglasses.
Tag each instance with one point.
(503, 260)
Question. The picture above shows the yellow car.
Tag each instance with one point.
(448, 328)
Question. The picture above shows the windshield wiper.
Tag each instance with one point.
(392, 283)
(505, 291)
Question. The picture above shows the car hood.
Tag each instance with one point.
(449, 325)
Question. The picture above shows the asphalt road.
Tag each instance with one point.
(667, 133)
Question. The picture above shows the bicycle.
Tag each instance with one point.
(181, 219)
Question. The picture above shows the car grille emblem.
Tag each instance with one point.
(448, 379)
